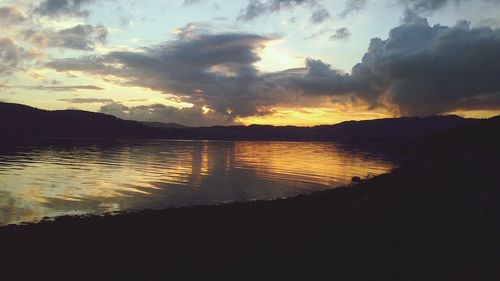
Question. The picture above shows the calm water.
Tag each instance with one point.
(76, 177)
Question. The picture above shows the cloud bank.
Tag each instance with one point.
(418, 70)
(194, 116)
(214, 70)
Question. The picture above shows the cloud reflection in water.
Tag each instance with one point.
(93, 178)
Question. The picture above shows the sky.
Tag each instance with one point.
(278, 62)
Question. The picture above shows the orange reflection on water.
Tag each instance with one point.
(322, 163)
(87, 178)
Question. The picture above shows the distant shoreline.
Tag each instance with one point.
(20, 122)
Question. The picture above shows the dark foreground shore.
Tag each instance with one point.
(435, 218)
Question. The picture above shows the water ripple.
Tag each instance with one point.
(92, 178)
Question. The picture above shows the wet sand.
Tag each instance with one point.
(434, 218)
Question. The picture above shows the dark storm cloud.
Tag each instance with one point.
(316, 79)
(341, 34)
(434, 69)
(80, 37)
(194, 116)
(482, 102)
(55, 8)
(419, 69)
(13, 57)
(216, 70)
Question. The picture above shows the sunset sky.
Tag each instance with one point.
(280, 62)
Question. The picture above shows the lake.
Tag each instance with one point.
(74, 177)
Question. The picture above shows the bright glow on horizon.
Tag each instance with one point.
(311, 117)
(126, 54)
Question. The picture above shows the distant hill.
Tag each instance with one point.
(380, 129)
(20, 121)
(483, 135)
(164, 125)
(393, 128)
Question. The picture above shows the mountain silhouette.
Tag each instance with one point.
(164, 125)
(480, 136)
(389, 128)
(21, 121)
